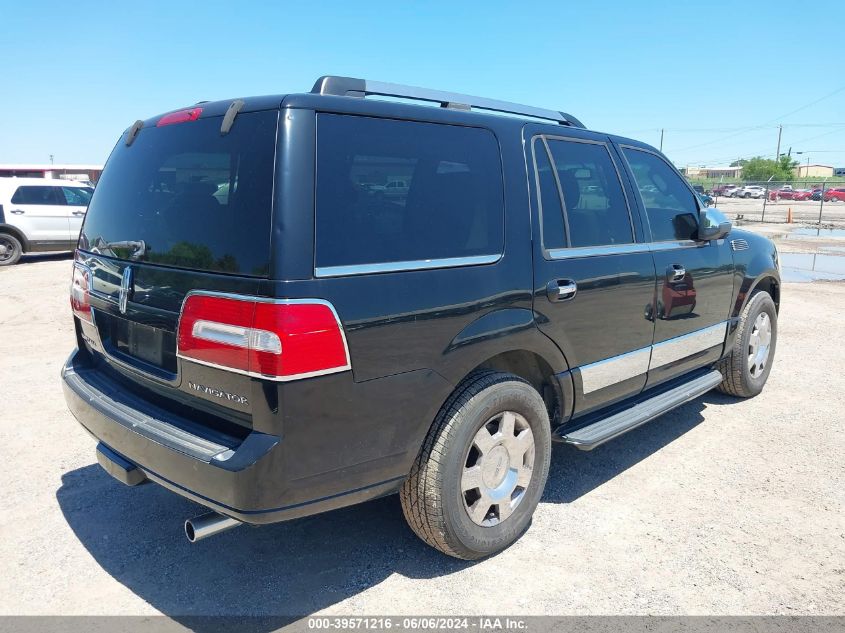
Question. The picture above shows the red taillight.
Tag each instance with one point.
(281, 340)
(80, 297)
(180, 116)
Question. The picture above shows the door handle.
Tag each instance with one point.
(17, 211)
(78, 212)
(676, 272)
(561, 289)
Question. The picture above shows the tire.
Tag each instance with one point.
(436, 501)
(10, 249)
(741, 377)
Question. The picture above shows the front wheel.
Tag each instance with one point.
(10, 249)
(479, 475)
(746, 369)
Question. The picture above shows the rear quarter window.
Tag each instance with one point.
(391, 192)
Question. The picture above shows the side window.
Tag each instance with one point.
(400, 191)
(552, 227)
(595, 205)
(38, 195)
(670, 204)
(77, 196)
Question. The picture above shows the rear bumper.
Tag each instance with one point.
(242, 479)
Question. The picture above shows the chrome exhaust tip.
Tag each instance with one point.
(207, 525)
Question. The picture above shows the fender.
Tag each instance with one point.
(755, 266)
(482, 340)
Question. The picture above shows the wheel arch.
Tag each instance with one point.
(17, 234)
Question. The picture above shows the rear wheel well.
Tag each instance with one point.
(536, 371)
(10, 230)
(771, 286)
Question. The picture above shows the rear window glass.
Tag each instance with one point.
(183, 195)
(400, 191)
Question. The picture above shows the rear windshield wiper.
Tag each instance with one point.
(138, 248)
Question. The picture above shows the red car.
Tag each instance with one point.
(803, 194)
(835, 194)
(723, 190)
(783, 194)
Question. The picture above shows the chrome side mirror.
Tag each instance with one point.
(712, 225)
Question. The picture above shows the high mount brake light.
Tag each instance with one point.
(180, 116)
(279, 340)
(80, 295)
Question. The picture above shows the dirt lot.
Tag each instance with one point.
(721, 507)
(833, 213)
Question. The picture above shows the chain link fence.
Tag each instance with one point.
(805, 202)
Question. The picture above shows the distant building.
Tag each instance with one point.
(839, 171)
(712, 172)
(65, 172)
(813, 171)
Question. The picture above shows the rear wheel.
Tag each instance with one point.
(480, 473)
(10, 249)
(746, 369)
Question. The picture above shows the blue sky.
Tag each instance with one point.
(718, 76)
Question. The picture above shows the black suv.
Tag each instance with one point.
(289, 304)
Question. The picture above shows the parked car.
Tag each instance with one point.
(835, 194)
(784, 193)
(307, 346)
(38, 214)
(723, 190)
(750, 191)
(817, 194)
(802, 194)
(705, 199)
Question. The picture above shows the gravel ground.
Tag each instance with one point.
(720, 507)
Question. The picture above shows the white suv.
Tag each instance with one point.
(749, 191)
(40, 214)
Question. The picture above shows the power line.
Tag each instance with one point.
(767, 123)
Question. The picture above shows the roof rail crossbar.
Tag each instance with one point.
(351, 87)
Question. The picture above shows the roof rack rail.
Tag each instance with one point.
(351, 87)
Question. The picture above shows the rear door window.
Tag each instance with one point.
(594, 202)
(184, 195)
(553, 228)
(391, 192)
(669, 203)
(38, 194)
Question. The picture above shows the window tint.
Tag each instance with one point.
(196, 199)
(77, 196)
(596, 210)
(669, 203)
(553, 228)
(391, 191)
(38, 195)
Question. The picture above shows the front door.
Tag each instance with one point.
(593, 275)
(694, 282)
(77, 199)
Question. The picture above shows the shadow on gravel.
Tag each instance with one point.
(301, 566)
(34, 258)
(574, 473)
(287, 569)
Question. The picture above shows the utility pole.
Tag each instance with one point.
(661, 139)
(780, 131)
(51, 159)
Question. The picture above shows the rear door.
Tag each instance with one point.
(40, 212)
(593, 276)
(694, 282)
